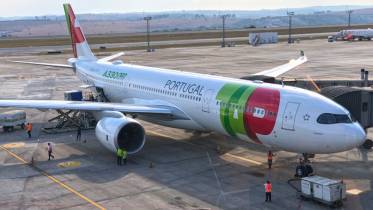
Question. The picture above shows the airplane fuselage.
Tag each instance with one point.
(276, 116)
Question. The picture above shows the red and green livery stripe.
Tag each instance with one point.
(238, 104)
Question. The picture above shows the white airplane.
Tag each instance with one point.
(277, 116)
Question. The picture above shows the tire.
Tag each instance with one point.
(368, 144)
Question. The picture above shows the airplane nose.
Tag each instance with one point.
(359, 135)
(355, 135)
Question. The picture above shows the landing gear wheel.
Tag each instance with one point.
(368, 144)
(306, 157)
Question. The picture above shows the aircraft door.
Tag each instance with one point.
(206, 100)
(290, 113)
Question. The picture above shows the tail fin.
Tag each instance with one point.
(80, 45)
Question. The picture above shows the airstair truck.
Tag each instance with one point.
(11, 119)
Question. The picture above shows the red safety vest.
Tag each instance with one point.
(268, 187)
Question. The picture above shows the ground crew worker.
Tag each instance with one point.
(29, 129)
(270, 158)
(124, 158)
(50, 151)
(120, 155)
(79, 134)
(268, 190)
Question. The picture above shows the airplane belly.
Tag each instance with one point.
(182, 124)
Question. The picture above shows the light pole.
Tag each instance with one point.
(223, 35)
(290, 14)
(349, 17)
(148, 18)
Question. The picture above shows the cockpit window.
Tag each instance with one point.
(328, 118)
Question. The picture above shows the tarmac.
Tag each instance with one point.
(177, 169)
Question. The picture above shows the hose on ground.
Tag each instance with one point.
(291, 183)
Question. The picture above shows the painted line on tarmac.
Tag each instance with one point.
(226, 154)
(14, 145)
(243, 159)
(54, 179)
(160, 134)
(14, 155)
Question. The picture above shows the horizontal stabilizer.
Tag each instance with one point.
(44, 64)
(87, 86)
(109, 58)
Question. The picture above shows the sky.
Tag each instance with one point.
(54, 7)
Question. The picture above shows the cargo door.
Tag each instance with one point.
(288, 119)
(206, 100)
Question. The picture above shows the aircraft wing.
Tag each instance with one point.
(277, 71)
(84, 106)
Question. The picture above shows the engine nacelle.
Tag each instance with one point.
(123, 132)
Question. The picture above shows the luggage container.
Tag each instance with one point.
(328, 191)
(10, 119)
(263, 38)
(73, 95)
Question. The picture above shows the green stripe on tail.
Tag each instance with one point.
(66, 8)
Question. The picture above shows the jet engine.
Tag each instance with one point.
(125, 133)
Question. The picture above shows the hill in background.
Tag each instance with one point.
(184, 21)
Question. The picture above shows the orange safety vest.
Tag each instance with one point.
(268, 187)
(29, 127)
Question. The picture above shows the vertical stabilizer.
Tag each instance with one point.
(79, 43)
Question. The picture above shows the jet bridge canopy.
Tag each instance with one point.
(359, 101)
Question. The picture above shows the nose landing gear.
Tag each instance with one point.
(368, 144)
(304, 167)
(306, 157)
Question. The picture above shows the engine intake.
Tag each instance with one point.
(124, 133)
